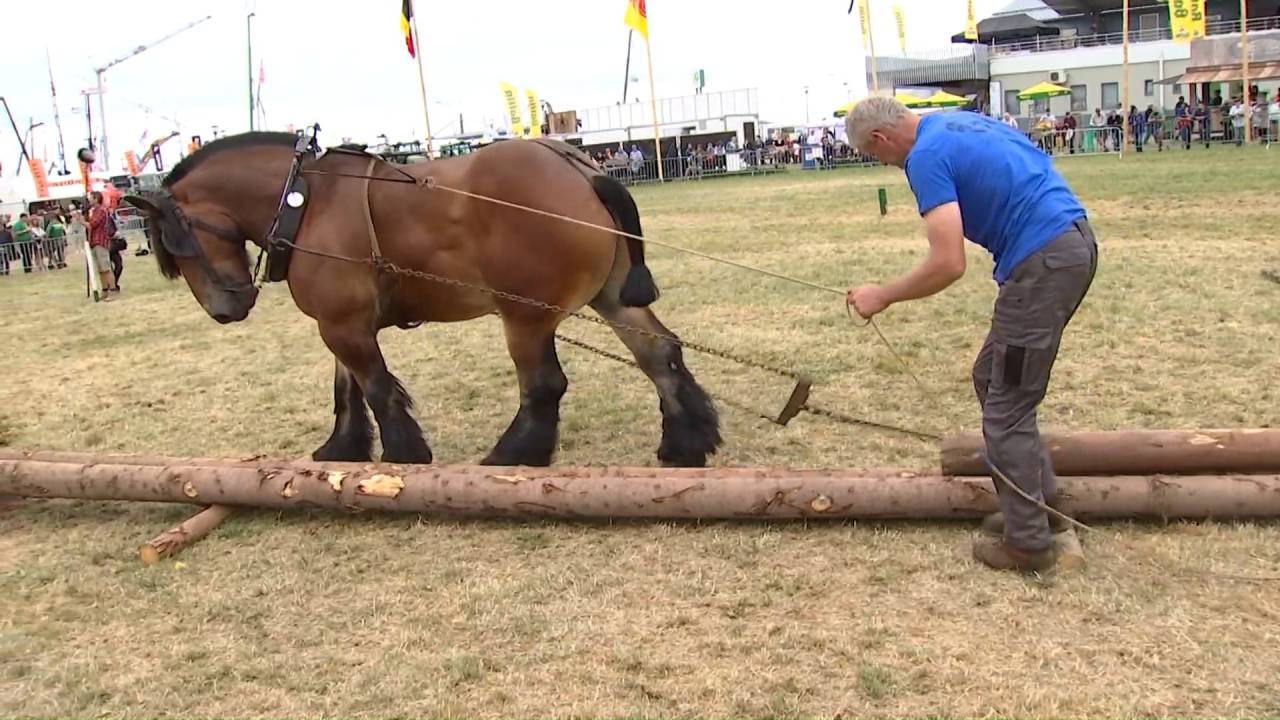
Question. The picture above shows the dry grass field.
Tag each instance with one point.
(320, 614)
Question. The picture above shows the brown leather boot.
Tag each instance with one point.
(993, 524)
(1000, 555)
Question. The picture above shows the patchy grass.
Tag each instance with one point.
(318, 614)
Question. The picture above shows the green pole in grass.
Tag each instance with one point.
(884, 202)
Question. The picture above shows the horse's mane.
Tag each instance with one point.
(231, 142)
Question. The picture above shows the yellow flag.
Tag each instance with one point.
(901, 19)
(535, 122)
(1186, 19)
(971, 24)
(513, 109)
(864, 20)
(637, 19)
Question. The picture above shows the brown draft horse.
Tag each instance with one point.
(229, 192)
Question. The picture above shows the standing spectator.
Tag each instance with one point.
(1155, 127)
(1201, 119)
(1258, 119)
(1011, 121)
(637, 160)
(116, 252)
(1069, 124)
(1184, 131)
(6, 244)
(1115, 130)
(1237, 121)
(1046, 126)
(1137, 126)
(57, 233)
(24, 240)
(40, 253)
(100, 226)
(1096, 124)
(1273, 117)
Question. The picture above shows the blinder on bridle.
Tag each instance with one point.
(180, 241)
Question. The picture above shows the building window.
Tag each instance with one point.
(1148, 26)
(1110, 95)
(1079, 98)
(1012, 104)
(1177, 88)
(1149, 88)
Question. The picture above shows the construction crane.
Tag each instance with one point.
(102, 112)
(150, 154)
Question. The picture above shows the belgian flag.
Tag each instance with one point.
(406, 26)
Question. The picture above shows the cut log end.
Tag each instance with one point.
(149, 554)
(184, 533)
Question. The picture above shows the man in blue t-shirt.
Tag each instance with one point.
(976, 178)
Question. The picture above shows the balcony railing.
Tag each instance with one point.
(671, 111)
(1051, 43)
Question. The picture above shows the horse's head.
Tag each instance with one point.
(201, 243)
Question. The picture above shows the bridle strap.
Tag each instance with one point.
(185, 224)
(225, 234)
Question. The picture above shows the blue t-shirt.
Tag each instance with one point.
(1012, 201)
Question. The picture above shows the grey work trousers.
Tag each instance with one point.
(1011, 374)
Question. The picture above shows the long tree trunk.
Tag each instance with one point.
(1135, 452)
(624, 492)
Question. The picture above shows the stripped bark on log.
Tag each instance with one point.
(184, 533)
(86, 458)
(601, 493)
(1135, 452)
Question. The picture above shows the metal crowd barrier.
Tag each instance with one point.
(43, 255)
(1080, 141)
(693, 167)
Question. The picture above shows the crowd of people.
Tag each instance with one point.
(1105, 132)
(38, 240)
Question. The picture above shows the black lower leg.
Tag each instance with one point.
(690, 423)
(352, 438)
(531, 437)
(402, 440)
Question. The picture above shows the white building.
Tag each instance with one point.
(1078, 44)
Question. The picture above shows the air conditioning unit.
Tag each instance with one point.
(1058, 76)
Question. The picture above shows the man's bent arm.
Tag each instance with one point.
(945, 263)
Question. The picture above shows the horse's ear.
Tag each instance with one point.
(142, 203)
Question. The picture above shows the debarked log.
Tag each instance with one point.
(608, 492)
(184, 533)
(1135, 452)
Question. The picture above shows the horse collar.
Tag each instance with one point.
(279, 242)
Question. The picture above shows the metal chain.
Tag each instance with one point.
(809, 408)
(850, 420)
(628, 361)
(388, 266)
(549, 307)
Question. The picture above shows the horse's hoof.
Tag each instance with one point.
(328, 453)
(407, 458)
(511, 460)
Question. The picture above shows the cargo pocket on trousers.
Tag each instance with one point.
(1021, 331)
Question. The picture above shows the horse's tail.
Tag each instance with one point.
(639, 289)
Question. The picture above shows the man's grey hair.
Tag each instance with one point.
(873, 113)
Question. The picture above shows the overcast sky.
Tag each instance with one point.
(344, 63)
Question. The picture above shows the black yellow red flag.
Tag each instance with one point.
(406, 26)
